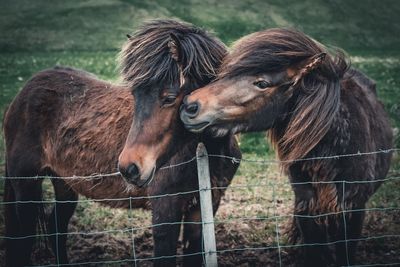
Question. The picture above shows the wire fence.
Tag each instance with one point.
(275, 219)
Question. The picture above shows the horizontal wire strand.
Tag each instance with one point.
(197, 191)
(224, 221)
(233, 159)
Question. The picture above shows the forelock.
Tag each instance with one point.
(271, 50)
(145, 58)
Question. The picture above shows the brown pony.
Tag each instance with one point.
(313, 106)
(67, 122)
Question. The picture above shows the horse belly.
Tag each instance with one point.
(111, 191)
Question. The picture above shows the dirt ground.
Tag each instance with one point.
(258, 202)
(116, 249)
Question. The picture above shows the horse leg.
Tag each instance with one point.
(21, 218)
(167, 216)
(312, 233)
(355, 230)
(59, 219)
(192, 237)
(345, 251)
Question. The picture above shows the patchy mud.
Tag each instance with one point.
(104, 249)
(246, 229)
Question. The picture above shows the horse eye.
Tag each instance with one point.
(169, 100)
(262, 84)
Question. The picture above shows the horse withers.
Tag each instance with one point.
(67, 122)
(313, 106)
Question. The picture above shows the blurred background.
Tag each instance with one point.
(88, 34)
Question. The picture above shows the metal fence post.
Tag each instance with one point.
(207, 215)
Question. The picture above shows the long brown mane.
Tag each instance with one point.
(316, 96)
(144, 58)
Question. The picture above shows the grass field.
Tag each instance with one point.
(87, 34)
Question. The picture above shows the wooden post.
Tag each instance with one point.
(207, 215)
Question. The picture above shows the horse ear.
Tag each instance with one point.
(308, 65)
(174, 47)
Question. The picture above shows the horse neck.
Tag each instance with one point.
(224, 146)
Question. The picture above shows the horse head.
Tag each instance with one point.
(279, 80)
(161, 63)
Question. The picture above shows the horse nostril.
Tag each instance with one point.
(192, 109)
(133, 170)
(132, 173)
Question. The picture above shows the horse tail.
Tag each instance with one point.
(9, 204)
(42, 223)
(13, 230)
(9, 200)
(10, 217)
(5, 114)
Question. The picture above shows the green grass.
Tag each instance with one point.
(89, 25)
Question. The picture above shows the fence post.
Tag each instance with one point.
(207, 215)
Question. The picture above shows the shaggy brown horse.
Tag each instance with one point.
(67, 122)
(313, 106)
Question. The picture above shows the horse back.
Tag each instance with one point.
(362, 80)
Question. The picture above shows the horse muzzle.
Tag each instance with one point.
(132, 175)
(188, 115)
